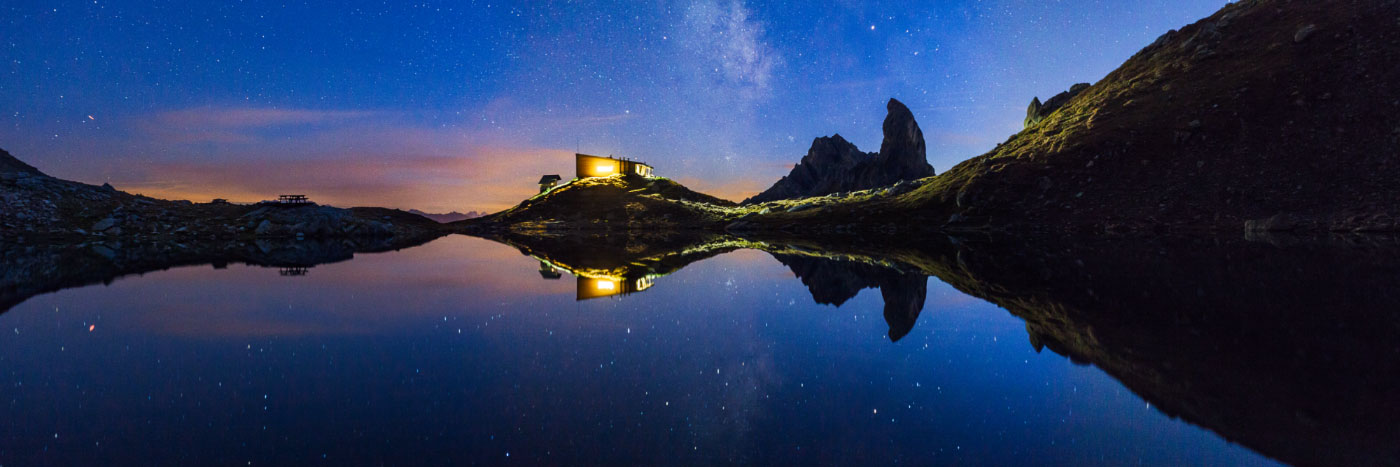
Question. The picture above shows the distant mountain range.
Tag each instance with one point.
(39, 208)
(453, 216)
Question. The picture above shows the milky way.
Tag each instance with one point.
(462, 105)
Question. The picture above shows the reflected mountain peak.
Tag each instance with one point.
(608, 265)
(1287, 347)
(834, 281)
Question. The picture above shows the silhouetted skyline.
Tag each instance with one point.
(446, 107)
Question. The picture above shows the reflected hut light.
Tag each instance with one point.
(606, 285)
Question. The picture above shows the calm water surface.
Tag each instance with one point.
(461, 351)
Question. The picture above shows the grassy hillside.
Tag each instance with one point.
(38, 208)
(1266, 109)
(613, 203)
(1272, 114)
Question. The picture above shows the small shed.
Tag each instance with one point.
(549, 181)
(293, 199)
(548, 271)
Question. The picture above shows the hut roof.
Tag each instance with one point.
(623, 159)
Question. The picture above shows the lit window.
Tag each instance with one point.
(606, 285)
(604, 168)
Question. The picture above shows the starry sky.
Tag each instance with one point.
(461, 106)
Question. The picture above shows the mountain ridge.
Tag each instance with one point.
(1267, 115)
(834, 165)
(40, 208)
(447, 218)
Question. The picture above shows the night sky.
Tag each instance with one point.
(463, 105)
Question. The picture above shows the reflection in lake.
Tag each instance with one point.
(28, 270)
(620, 266)
(708, 351)
(833, 282)
(294, 271)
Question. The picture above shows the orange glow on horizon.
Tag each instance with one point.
(491, 180)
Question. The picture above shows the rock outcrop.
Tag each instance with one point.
(453, 216)
(902, 153)
(821, 171)
(10, 165)
(834, 165)
(1265, 107)
(1037, 111)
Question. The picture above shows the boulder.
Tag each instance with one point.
(1304, 33)
(104, 224)
(264, 228)
(1275, 223)
(1033, 114)
(104, 251)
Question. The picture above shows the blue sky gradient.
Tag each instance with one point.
(462, 105)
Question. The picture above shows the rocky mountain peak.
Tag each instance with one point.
(903, 145)
(832, 152)
(834, 165)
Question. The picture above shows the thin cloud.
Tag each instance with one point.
(216, 117)
(858, 84)
(350, 158)
(731, 45)
(230, 125)
(480, 178)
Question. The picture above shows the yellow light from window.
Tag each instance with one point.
(606, 285)
(604, 168)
